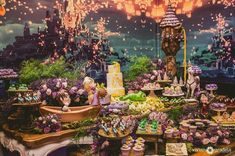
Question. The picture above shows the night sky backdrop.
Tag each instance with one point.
(132, 36)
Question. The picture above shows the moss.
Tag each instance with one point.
(32, 70)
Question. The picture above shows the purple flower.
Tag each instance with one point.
(226, 141)
(205, 141)
(184, 136)
(214, 139)
(46, 130)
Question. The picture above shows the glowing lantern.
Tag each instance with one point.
(178, 11)
(199, 3)
(158, 12)
(130, 8)
(187, 6)
(2, 9)
(148, 14)
(119, 6)
(137, 13)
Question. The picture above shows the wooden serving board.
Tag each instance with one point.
(111, 135)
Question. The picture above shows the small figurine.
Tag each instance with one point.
(35, 97)
(205, 104)
(28, 98)
(193, 82)
(65, 100)
(90, 88)
(104, 127)
(20, 98)
(115, 131)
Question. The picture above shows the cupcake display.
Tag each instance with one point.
(133, 147)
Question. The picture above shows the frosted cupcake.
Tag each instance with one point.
(139, 139)
(193, 128)
(169, 133)
(125, 149)
(138, 150)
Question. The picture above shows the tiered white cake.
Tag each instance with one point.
(115, 80)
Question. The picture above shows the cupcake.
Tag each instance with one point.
(125, 149)
(193, 128)
(169, 133)
(213, 125)
(139, 144)
(199, 124)
(176, 133)
(129, 143)
(185, 126)
(138, 150)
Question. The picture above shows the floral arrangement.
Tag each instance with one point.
(52, 89)
(47, 124)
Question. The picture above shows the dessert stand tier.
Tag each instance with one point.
(151, 91)
(176, 85)
(219, 111)
(173, 95)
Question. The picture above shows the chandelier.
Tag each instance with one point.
(156, 9)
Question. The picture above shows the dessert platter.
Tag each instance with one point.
(115, 129)
(152, 87)
(132, 147)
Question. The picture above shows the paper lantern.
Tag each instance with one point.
(130, 8)
(187, 6)
(158, 12)
(2, 11)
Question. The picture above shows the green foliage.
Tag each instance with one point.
(78, 124)
(32, 70)
(138, 66)
(175, 113)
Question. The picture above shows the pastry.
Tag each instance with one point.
(125, 150)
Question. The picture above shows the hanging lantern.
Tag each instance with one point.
(187, 6)
(199, 3)
(158, 12)
(2, 9)
(130, 9)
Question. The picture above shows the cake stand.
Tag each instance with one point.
(164, 82)
(219, 112)
(211, 88)
(151, 91)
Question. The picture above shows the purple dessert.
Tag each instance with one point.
(218, 106)
(211, 87)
